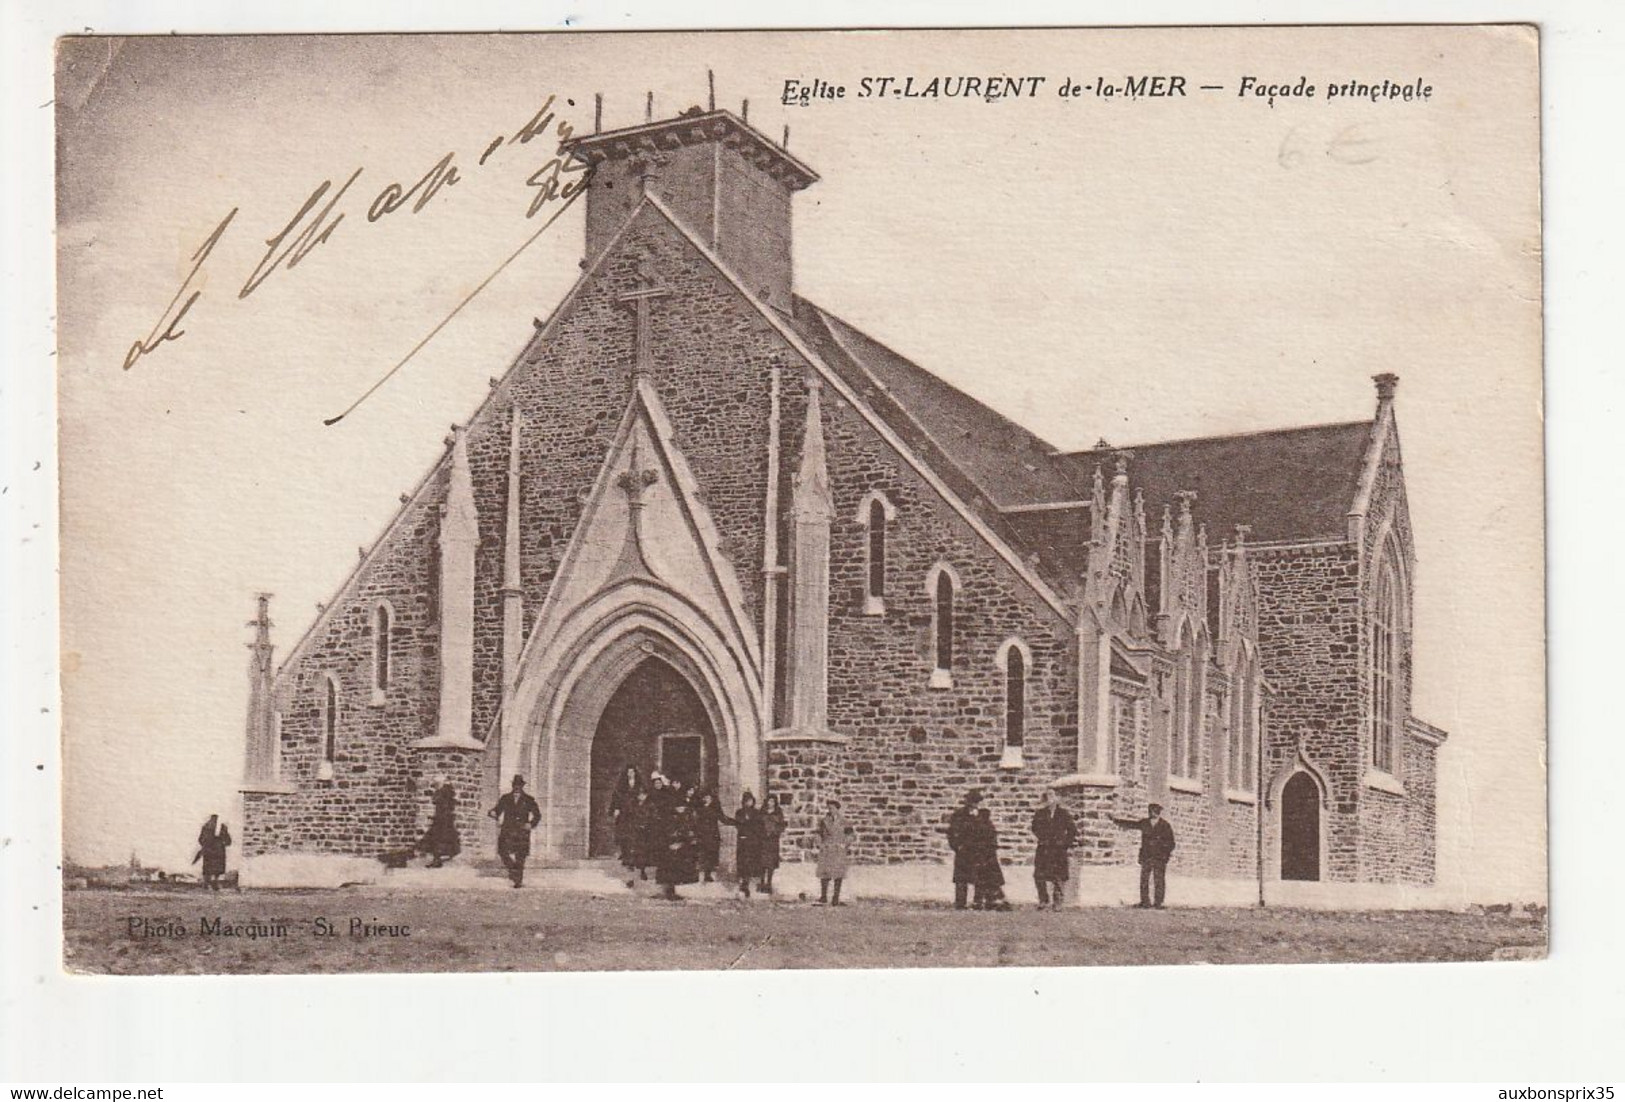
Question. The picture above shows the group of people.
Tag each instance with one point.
(979, 876)
(677, 831)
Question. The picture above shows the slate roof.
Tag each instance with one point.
(1006, 463)
(1289, 484)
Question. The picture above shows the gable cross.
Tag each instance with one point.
(640, 300)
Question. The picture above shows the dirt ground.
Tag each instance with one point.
(367, 930)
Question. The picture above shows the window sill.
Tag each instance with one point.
(1181, 784)
(324, 771)
(941, 679)
(1384, 782)
(379, 698)
(874, 606)
(1012, 758)
(1237, 796)
(1087, 780)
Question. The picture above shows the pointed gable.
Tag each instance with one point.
(644, 521)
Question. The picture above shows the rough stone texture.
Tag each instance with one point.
(805, 774)
(1309, 645)
(910, 750)
(915, 750)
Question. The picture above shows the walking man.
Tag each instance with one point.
(1156, 847)
(961, 835)
(516, 815)
(1056, 833)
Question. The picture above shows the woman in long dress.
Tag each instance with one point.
(772, 831)
(708, 820)
(675, 864)
(834, 836)
(212, 841)
(440, 841)
(747, 822)
(988, 872)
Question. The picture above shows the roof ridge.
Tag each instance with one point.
(1097, 449)
(927, 372)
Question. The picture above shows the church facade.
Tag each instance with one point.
(704, 525)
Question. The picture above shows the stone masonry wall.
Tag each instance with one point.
(1309, 641)
(712, 355)
(914, 750)
(365, 806)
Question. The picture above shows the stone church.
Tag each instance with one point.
(703, 524)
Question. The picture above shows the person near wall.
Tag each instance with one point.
(1056, 834)
(212, 841)
(516, 814)
(638, 850)
(959, 833)
(440, 841)
(676, 864)
(623, 815)
(772, 831)
(834, 838)
(1156, 848)
(986, 870)
(748, 825)
(708, 820)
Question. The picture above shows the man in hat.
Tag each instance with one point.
(1056, 834)
(961, 839)
(1156, 847)
(516, 815)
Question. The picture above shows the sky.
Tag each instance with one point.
(1133, 269)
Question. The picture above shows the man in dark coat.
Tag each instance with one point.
(1156, 847)
(1056, 833)
(960, 840)
(516, 815)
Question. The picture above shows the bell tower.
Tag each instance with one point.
(726, 181)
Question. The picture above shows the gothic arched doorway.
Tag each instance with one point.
(654, 720)
(1300, 828)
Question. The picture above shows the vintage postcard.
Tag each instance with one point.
(801, 500)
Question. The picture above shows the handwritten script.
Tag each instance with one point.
(324, 211)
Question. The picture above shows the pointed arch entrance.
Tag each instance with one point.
(681, 677)
(655, 719)
(1300, 828)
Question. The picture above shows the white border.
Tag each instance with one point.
(1513, 1023)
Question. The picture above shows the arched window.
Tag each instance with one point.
(1243, 734)
(1386, 646)
(1015, 662)
(330, 726)
(874, 512)
(1186, 735)
(383, 626)
(942, 585)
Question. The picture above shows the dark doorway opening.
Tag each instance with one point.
(1300, 828)
(654, 720)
